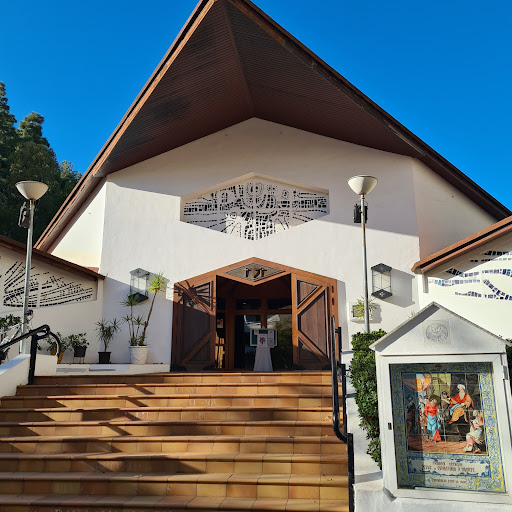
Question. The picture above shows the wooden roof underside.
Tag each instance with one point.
(231, 62)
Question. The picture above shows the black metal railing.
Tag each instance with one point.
(339, 375)
(35, 334)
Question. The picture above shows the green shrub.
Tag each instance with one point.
(363, 376)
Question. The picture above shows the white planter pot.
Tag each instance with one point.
(138, 355)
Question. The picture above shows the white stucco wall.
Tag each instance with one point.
(142, 226)
(143, 209)
(67, 302)
(491, 313)
(82, 240)
(444, 215)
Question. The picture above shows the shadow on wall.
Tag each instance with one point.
(402, 284)
(159, 329)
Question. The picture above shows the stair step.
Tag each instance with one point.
(181, 400)
(221, 413)
(226, 485)
(168, 444)
(166, 428)
(177, 462)
(172, 442)
(244, 388)
(196, 377)
(63, 503)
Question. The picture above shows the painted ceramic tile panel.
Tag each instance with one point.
(445, 424)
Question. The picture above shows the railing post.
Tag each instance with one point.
(342, 435)
(33, 354)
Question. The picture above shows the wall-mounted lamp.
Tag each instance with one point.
(381, 281)
(139, 284)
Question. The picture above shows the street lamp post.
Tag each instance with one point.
(363, 185)
(32, 191)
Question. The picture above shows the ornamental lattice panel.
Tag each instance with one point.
(255, 208)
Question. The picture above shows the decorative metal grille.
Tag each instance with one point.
(255, 208)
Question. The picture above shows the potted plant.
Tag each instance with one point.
(78, 342)
(6, 323)
(106, 331)
(51, 346)
(138, 325)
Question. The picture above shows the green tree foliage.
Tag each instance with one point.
(363, 376)
(26, 155)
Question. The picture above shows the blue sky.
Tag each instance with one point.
(443, 69)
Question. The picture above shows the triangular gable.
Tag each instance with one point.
(232, 62)
(437, 330)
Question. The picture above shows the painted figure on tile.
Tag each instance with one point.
(459, 404)
(475, 438)
(410, 415)
(432, 418)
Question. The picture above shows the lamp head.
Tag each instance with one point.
(362, 185)
(31, 190)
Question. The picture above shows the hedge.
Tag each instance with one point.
(363, 376)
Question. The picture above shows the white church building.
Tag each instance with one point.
(229, 173)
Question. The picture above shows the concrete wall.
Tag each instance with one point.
(142, 226)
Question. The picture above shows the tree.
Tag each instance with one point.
(25, 154)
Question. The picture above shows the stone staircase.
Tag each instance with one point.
(172, 442)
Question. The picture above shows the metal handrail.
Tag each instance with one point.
(339, 373)
(36, 334)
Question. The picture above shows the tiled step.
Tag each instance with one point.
(198, 444)
(218, 413)
(167, 428)
(177, 462)
(98, 503)
(184, 400)
(178, 378)
(223, 388)
(179, 400)
(172, 442)
(226, 485)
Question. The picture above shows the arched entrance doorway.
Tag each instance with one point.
(214, 312)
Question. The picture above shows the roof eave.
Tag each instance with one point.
(50, 259)
(464, 246)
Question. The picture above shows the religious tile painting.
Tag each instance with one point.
(255, 208)
(445, 426)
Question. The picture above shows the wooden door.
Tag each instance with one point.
(313, 301)
(194, 323)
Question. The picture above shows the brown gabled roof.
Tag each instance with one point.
(49, 259)
(232, 62)
(468, 244)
